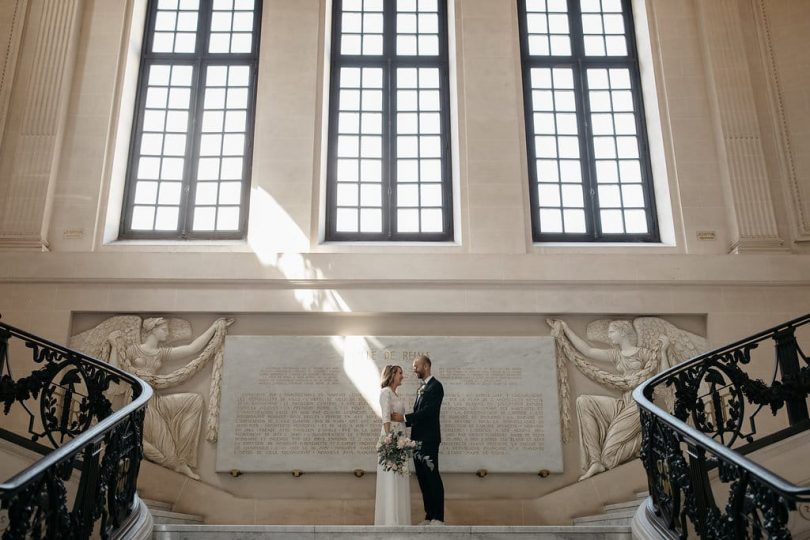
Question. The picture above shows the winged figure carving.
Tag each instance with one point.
(141, 346)
(609, 427)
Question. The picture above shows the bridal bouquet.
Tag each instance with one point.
(395, 450)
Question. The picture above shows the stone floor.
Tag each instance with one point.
(325, 532)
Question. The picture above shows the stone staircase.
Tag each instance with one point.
(367, 532)
(162, 514)
(612, 524)
(619, 514)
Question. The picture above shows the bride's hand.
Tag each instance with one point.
(396, 417)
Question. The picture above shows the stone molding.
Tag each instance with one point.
(366, 270)
(22, 243)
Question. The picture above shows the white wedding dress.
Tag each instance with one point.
(393, 503)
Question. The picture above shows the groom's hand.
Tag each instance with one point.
(396, 417)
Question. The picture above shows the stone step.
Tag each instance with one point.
(622, 506)
(157, 505)
(367, 532)
(623, 517)
(175, 518)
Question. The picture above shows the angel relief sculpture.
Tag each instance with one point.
(172, 423)
(609, 427)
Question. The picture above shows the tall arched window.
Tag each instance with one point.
(190, 158)
(589, 165)
(388, 171)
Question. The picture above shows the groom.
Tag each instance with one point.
(425, 427)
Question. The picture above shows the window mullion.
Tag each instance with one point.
(390, 149)
(589, 169)
(193, 150)
(195, 121)
(389, 124)
(579, 65)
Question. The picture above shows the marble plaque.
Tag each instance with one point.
(312, 403)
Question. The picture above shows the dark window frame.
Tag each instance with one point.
(200, 59)
(389, 61)
(580, 63)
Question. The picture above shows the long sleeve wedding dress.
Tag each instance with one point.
(393, 502)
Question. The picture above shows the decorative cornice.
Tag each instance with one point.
(22, 243)
(749, 245)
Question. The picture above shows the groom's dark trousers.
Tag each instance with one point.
(426, 428)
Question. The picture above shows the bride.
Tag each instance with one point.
(393, 504)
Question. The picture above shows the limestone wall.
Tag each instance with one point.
(725, 162)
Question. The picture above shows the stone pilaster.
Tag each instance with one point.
(37, 114)
(788, 119)
(12, 19)
(753, 223)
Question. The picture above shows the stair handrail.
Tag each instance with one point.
(89, 441)
(654, 416)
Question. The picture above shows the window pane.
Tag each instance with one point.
(547, 28)
(370, 220)
(574, 221)
(175, 29)
(550, 220)
(417, 28)
(361, 29)
(603, 28)
(143, 218)
(228, 218)
(407, 220)
(636, 221)
(231, 28)
(347, 220)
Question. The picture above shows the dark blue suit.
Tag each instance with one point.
(425, 426)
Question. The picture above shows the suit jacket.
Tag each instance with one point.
(424, 420)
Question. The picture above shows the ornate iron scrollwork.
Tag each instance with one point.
(711, 423)
(72, 406)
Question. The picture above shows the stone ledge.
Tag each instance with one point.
(367, 532)
(319, 270)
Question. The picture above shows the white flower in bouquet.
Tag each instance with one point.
(394, 452)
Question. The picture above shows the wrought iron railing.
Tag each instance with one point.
(702, 420)
(64, 409)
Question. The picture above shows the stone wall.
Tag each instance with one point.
(725, 163)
